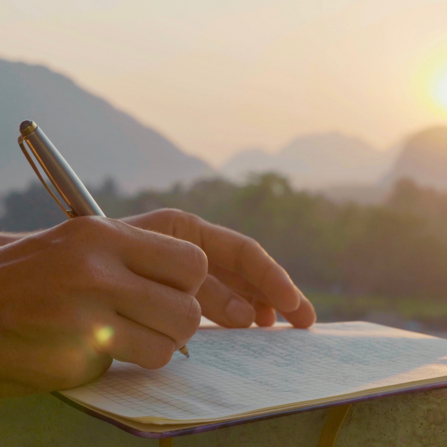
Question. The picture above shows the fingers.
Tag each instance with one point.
(237, 283)
(303, 317)
(173, 262)
(265, 315)
(134, 343)
(244, 256)
(161, 308)
(223, 306)
(236, 260)
(146, 279)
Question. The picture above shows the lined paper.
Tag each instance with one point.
(234, 372)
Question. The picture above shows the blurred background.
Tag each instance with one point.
(318, 128)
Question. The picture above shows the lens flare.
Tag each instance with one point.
(104, 334)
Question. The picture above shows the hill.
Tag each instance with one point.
(316, 161)
(423, 159)
(98, 140)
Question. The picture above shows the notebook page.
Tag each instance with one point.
(239, 371)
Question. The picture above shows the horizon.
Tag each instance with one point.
(216, 79)
(273, 151)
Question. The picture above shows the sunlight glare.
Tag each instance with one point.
(104, 334)
(430, 82)
(440, 89)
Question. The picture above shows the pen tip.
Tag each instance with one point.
(184, 351)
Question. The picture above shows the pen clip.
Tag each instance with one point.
(69, 213)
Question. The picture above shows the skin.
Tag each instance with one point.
(90, 290)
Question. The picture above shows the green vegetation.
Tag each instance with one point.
(348, 307)
(351, 259)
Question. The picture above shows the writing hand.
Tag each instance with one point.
(89, 290)
(244, 283)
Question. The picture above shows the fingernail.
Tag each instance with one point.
(240, 313)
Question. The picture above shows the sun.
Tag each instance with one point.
(430, 82)
(439, 88)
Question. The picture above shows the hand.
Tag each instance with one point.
(89, 290)
(244, 284)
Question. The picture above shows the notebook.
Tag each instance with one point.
(242, 373)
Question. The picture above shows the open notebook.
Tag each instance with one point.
(241, 373)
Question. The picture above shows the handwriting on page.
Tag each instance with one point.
(238, 371)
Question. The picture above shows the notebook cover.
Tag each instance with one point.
(218, 425)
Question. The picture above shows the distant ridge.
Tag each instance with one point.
(316, 161)
(423, 159)
(98, 140)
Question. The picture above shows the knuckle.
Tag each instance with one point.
(186, 224)
(79, 225)
(87, 228)
(172, 213)
(252, 243)
(249, 246)
(177, 213)
(192, 314)
(197, 262)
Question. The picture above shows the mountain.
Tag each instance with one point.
(423, 159)
(316, 161)
(98, 140)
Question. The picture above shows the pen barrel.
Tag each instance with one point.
(63, 178)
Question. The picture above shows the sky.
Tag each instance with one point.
(219, 76)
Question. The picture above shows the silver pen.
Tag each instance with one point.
(76, 196)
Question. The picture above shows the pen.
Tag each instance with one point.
(67, 183)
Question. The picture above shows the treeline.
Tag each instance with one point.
(397, 249)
